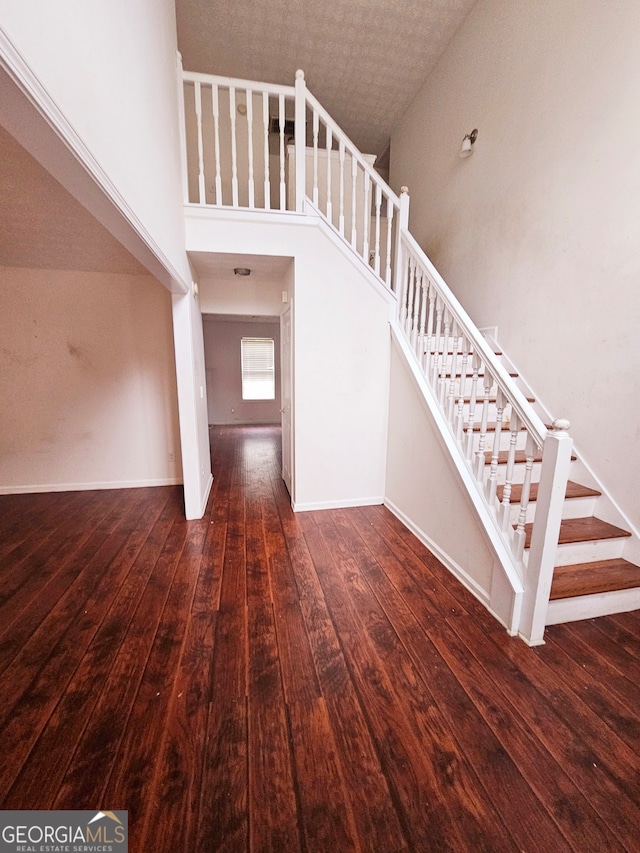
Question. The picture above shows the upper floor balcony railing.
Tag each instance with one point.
(258, 146)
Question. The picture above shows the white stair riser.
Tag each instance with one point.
(591, 606)
(573, 508)
(589, 552)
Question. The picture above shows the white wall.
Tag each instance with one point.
(537, 231)
(426, 491)
(110, 68)
(241, 295)
(341, 354)
(224, 376)
(96, 102)
(87, 381)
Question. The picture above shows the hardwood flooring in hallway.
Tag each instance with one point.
(264, 681)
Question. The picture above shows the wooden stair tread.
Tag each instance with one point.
(503, 456)
(514, 374)
(491, 427)
(588, 529)
(574, 490)
(451, 351)
(593, 578)
(492, 399)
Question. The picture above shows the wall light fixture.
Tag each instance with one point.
(466, 149)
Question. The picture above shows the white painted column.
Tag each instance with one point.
(192, 402)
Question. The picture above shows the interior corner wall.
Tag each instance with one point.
(110, 69)
(224, 376)
(424, 489)
(87, 382)
(537, 231)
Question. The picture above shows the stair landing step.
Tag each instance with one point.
(593, 578)
(588, 529)
(574, 490)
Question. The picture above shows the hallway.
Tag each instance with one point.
(259, 680)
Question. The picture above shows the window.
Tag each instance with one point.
(258, 369)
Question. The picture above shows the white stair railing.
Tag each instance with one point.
(468, 383)
(343, 185)
(235, 141)
(258, 146)
(268, 147)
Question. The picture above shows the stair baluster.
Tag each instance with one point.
(202, 197)
(341, 211)
(234, 146)
(265, 124)
(251, 183)
(473, 400)
(505, 504)
(492, 482)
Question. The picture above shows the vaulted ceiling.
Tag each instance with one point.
(365, 60)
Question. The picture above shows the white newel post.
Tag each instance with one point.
(403, 225)
(300, 138)
(554, 475)
(183, 130)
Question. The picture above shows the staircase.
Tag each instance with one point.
(591, 576)
(564, 550)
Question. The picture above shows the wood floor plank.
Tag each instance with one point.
(377, 824)
(621, 719)
(608, 796)
(272, 797)
(96, 751)
(177, 778)
(29, 566)
(223, 813)
(400, 714)
(269, 680)
(84, 654)
(325, 808)
(500, 776)
(549, 778)
(138, 753)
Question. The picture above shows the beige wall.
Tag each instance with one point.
(224, 376)
(537, 232)
(87, 381)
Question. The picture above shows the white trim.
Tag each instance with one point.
(448, 562)
(339, 504)
(88, 487)
(353, 256)
(19, 71)
(591, 606)
(504, 556)
(205, 499)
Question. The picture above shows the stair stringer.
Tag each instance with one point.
(431, 490)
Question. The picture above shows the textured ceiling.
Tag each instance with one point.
(264, 268)
(43, 227)
(365, 60)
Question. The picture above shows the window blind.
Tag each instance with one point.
(258, 369)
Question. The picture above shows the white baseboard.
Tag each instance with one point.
(36, 488)
(310, 507)
(456, 570)
(205, 499)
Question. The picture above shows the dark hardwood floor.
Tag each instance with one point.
(265, 681)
